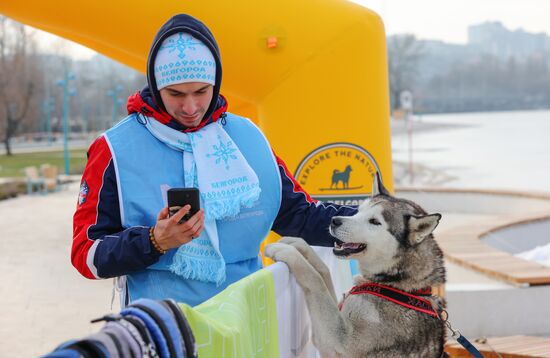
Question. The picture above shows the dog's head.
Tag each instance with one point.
(383, 230)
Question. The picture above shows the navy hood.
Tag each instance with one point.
(192, 26)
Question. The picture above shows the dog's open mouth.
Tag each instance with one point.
(347, 248)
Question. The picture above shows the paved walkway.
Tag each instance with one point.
(44, 299)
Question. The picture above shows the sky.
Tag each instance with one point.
(446, 20)
(48, 42)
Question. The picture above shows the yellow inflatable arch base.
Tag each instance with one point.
(312, 73)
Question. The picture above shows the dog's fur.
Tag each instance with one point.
(400, 252)
(343, 177)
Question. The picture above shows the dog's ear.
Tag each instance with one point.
(378, 187)
(421, 227)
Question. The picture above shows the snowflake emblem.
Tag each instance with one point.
(223, 152)
(181, 44)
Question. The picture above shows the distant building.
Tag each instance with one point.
(495, 39)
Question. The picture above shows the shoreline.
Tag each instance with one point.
(399, 127)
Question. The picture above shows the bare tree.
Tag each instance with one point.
(18, 75)
(404, 52)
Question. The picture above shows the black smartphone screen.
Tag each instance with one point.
(179, 197)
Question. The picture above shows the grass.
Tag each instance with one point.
(12, 166)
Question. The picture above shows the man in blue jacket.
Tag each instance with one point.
(179, 134)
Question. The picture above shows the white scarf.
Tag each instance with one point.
(213, 163)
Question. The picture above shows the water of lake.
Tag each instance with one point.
(496, 150)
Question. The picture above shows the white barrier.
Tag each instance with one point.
(292, 314)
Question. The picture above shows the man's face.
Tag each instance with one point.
(187, 102)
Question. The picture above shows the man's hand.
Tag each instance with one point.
(169, 234)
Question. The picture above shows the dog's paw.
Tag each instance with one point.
(281, 252)
(294, 241)
(300, 244)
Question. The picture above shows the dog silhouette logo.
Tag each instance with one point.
(338, 172)
(341, 176)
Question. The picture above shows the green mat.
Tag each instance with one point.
(241, 321)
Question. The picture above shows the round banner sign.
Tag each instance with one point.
(341, 173)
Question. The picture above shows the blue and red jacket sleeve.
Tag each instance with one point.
(102, 247)
(302, 216)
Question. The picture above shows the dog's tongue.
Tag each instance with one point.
(350, 245)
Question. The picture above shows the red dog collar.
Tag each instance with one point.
(410, 300)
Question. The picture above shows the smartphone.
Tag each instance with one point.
(179, 197)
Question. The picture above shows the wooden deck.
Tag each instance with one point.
(506, 347)
(464, 247)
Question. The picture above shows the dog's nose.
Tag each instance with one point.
(336, 221)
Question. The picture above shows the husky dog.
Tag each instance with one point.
(392, 241)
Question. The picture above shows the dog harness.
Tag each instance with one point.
(410, 300)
